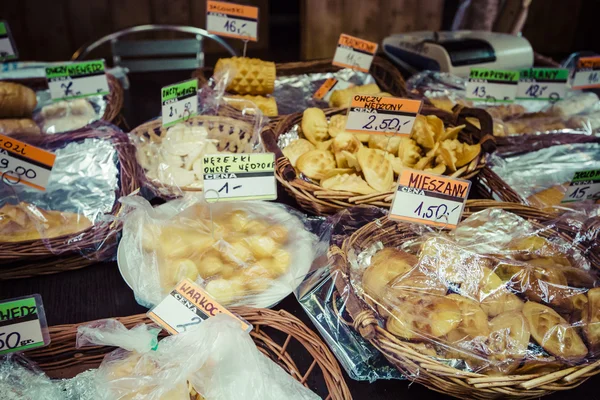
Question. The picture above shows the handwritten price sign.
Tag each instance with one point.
(429, 199)
(542, 84)
(22, 324)
(492, 86)
(232, 20)
(77, 80)
(382, 115)
(179, 102)
(587, 73)
(21, 163)
(354, 53)
(584, 186)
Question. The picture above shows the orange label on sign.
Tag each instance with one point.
(357, 44)
(236, 10)
(392, 104)
(23, 149)
(21, 163)
(429, 199)
(188, 305)
(588, 63)
(325, 88)
(355, 53)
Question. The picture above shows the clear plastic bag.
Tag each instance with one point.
(247, 253)
(69, 115)
(218, 359)
(20, 379)
(74, 212)
(578, 112)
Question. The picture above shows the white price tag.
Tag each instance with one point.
(587, 73)
(354, 53)
(186, 307)
(382, 115)
(584, 186)
(8, 49)
(492, 86)
(21, 163)
(77, 80)
(22, 324)
(429, 199)
(232, 20)
(179, 102)
(244, 176)
(543, 84)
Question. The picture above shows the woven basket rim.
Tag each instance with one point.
(313, 197)
(61, 354)
(436, 375)
(97, 233)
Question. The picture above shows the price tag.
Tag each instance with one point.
(492, 86)
(545, 84)
(8, 49)
(245, 176)
(587, 73)
(21, 163)
(329, 86)
(179, 102)
(232, 20)
(23, 324)
(73, 81)
(382, 115)
(429, 199)
(354, 53)
(584, 186)
(186, 307)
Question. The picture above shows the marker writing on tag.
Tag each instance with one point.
(382, 115)
(232, 20)
(179, 102)
(77, 80)
(21, 163)
(22, 324)
(587, 73)
(492, 86)
(354, 53)
(585, 185)
(542, 84)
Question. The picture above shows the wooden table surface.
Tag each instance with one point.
(98, 291)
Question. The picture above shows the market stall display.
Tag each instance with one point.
(274, 333)
(329, 159)
(69, 225)
(493, 308)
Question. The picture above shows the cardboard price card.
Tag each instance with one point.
(244, 176)
(429, 199)
(354, 53)
(77, 80)
(587, 73)
(492, 86)
(232, 20)
(584, 186)
(542, 84)
(179, 102)
(382, 115)
(187, 306)
(8, 49)
(22, 324)
(329, 86)
(21, 163)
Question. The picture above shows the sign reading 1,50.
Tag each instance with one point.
(231, 26)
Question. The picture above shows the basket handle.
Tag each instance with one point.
(484, 136)
(270, 142)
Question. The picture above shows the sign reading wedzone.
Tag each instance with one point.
(492, 86)
(187, 306)
(8, 49)
(545, 84)
(77, 80)
(243, 176)
(587, 73)
(584, 186)
(232, 20)
(22, 324)
(429, 199)
(21, 163)
(179, 102)
(354, 53)
(382, 115)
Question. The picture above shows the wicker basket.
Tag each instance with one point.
(276, 334)
(489, 185)
(387, 77)
(315, 199)
(31, 258)
(428, 371)
(234, 135)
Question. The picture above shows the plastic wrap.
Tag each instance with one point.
(79, 198)
(542, 177)
(499, 295)
(578, 112)
(247, 253)
(217, 359)
(68, 115)
(20, 379)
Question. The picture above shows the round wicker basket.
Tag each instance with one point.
(50, 256)
(114, 103)
(313, 198)
(424, 369)
(276, 334)
(233, 135)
